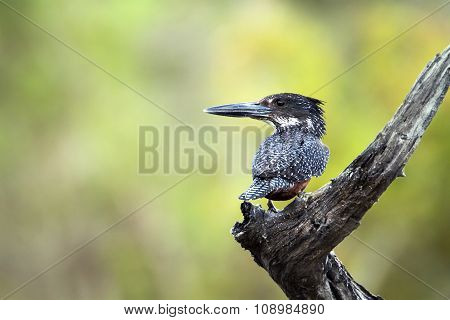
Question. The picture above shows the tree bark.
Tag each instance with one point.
(295, 245)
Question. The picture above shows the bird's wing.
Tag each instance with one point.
(294, 161)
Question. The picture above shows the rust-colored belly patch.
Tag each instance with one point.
(286, 194)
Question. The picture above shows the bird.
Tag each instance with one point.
(285, 161)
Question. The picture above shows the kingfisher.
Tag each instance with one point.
(286, 160)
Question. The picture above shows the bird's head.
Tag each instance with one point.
(282, 110)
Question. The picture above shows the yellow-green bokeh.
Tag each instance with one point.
(69, 141)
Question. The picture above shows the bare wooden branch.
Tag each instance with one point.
(294, 245)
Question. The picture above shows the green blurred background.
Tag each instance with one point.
(69, 141)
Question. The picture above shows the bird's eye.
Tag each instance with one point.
(279, 103)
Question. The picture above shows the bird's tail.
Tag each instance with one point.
(262, 187)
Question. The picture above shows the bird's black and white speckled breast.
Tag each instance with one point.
(290, 154)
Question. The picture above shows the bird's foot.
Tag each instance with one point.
(272, 207)
(301, 195)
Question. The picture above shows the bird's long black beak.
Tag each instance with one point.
(246, 109)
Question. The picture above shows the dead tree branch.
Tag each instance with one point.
(295, 245)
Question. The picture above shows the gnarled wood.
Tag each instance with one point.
(294, 245)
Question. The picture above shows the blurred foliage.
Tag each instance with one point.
(69, 141)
